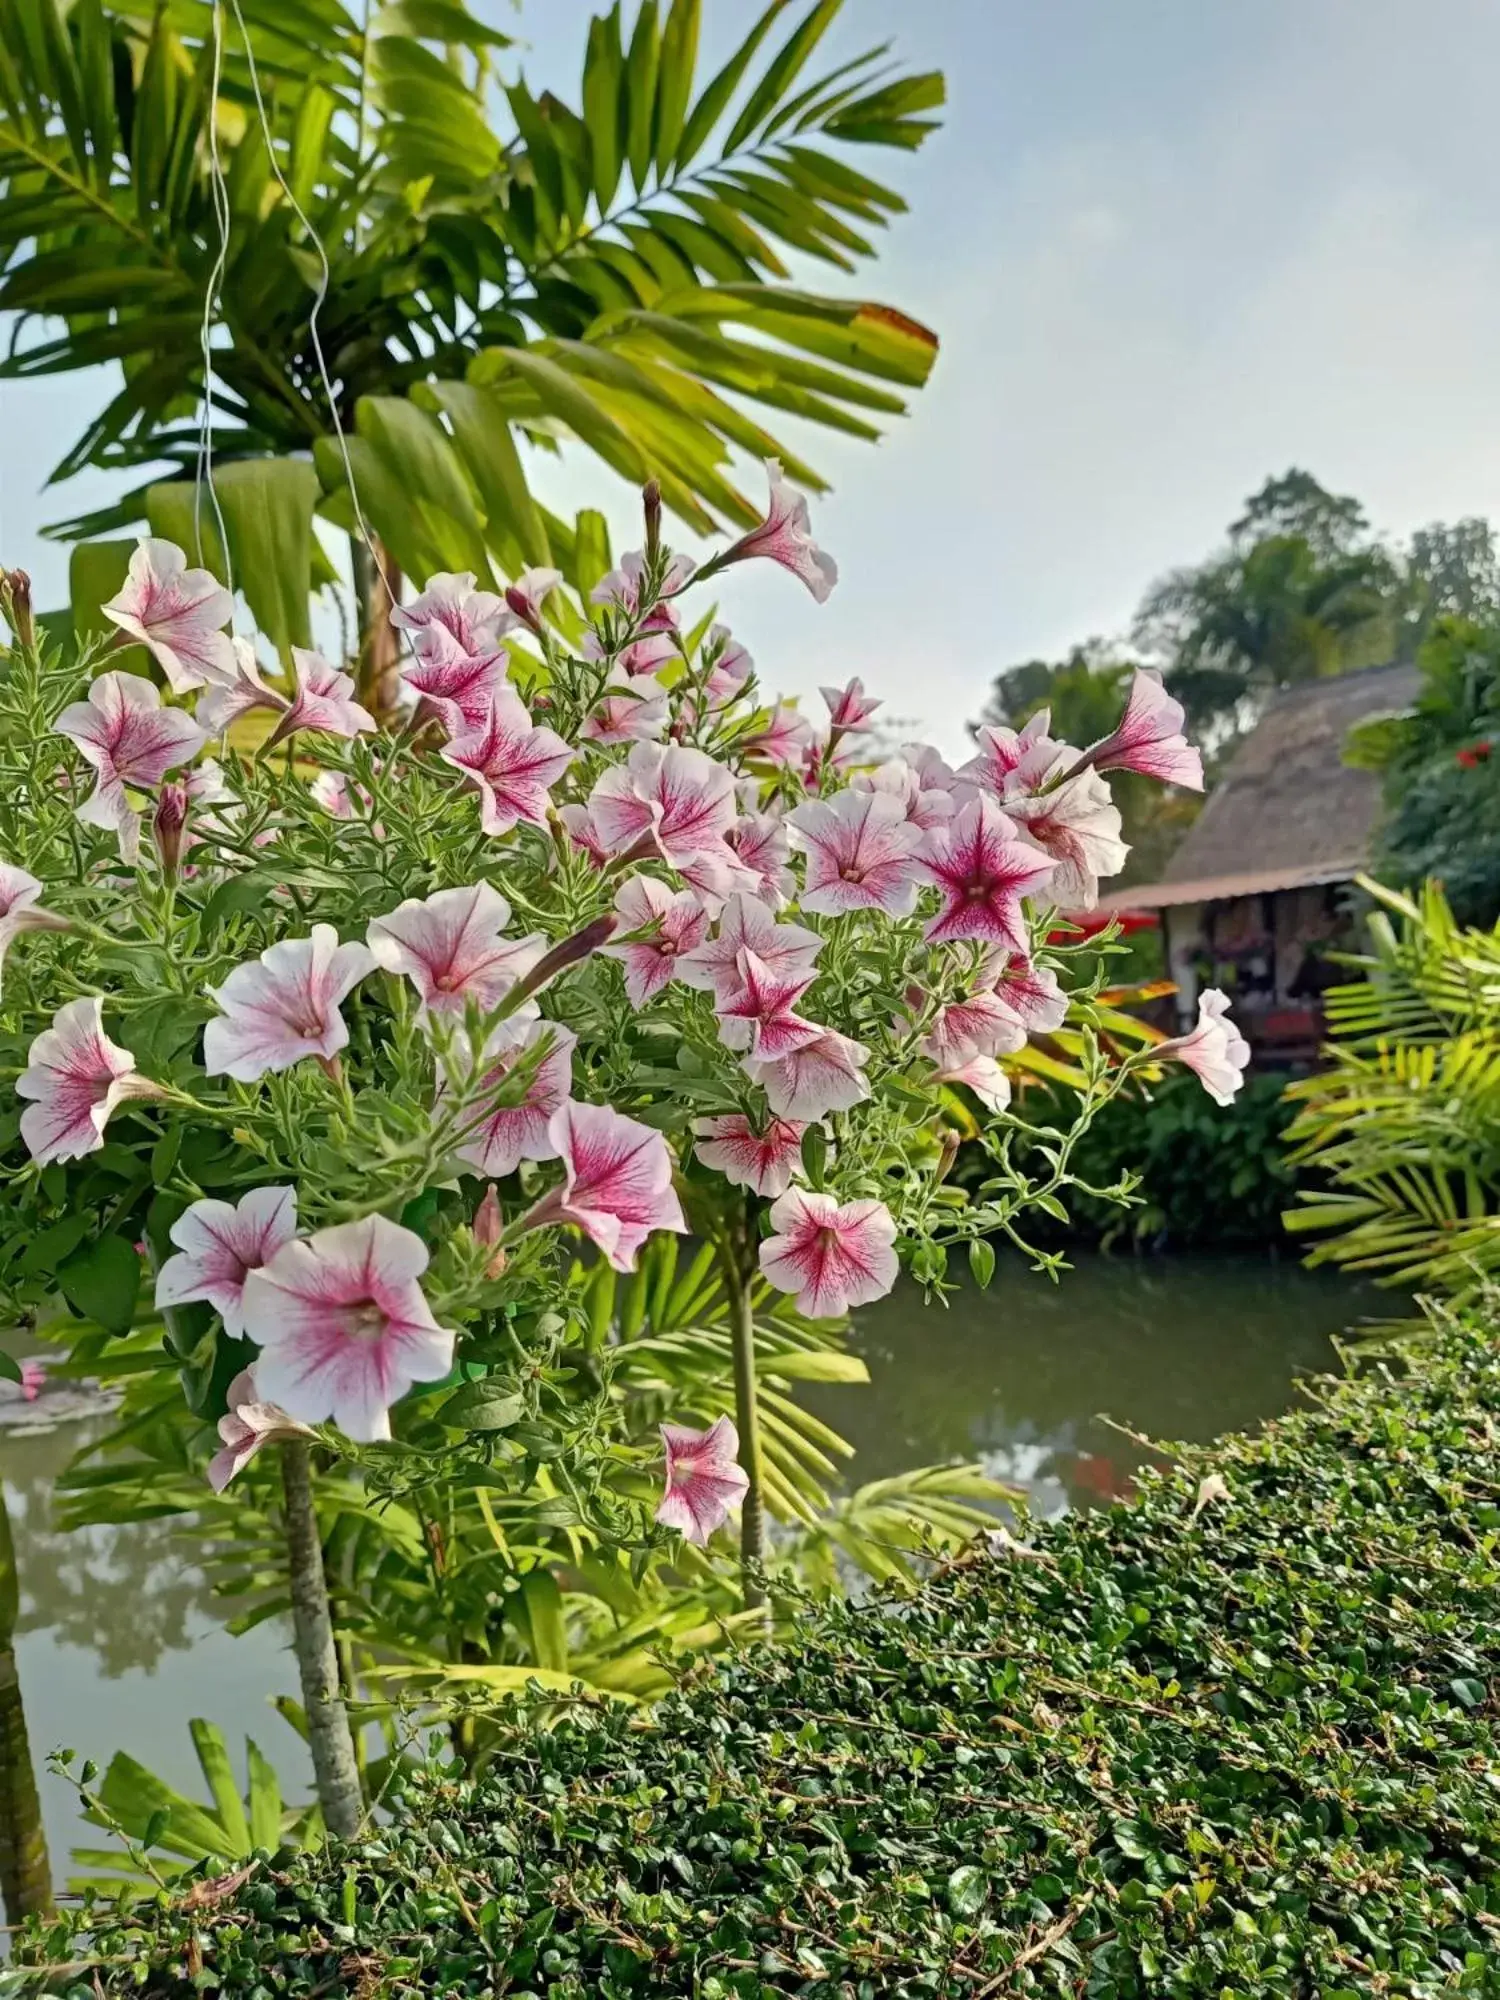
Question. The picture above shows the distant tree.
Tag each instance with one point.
(1451, 571)
(1301, 591)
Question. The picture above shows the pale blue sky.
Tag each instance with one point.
(1170, 247)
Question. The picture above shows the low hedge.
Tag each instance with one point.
(1227, 1742)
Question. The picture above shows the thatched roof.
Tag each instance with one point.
(1288, 811)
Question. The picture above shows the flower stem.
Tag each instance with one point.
(735, 1264)
(328, 1733)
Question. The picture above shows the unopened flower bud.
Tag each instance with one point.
(15, 603)
(488, 1228)
(168, 823)
(651, 500)
(949, 1152)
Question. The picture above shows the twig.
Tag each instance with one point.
(1043, 1945)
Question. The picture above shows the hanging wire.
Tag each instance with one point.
(320, 297)
(203, 474)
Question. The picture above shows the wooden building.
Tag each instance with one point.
(1256, 894)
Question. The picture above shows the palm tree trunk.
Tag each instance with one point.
(328, 1733)
(377, 589)
(25, 1873)
(738, 1275)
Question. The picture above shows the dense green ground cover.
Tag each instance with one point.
(1214, 1743)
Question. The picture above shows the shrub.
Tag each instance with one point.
(1236, 1739)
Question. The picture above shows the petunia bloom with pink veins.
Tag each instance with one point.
(21, 908)
(984, 1076)
(459, 688)
(1215, 1050)
(631, 709)
(514, 1098)
(582, 833)
(1078, 824)
(785, 537)
(760, 1015)
(849, 707)
(284, 1006)
(785, 740)
(760, 844)
(983, 868)
(178, 613)
(451, 948)
(530, 590)
(762, 1161)
(824, 1076)
(981, 1024)
(674, 801)
(832, 1256)
(616, 1185)
(730, 667)
(123, 731)
(704, 1481)
(219, 1243)
(324, 701)
(1010, 760)
(861, 854)
(658, 927)
(789, 950)
(926, 806)
(246, 1426)
(343, 1327)
(75, 1078)
(241, 688)
(1031, 991)
(475, 619)
(512, 762)
(621, 589)
(1149, 737)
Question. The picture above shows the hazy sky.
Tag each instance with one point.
(1170, 248)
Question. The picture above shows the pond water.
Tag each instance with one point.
(120, 1646)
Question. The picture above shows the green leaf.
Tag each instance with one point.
(267, 506)
(213, 1756)
(712, 104)
(264, 1799)
(674, 85)
(482, 1406)
(782, 72)
(425, 471)
(102, 1283)
(604, 107)
(96, 573)
(438, 21)
(10, 1368)
(513, 525)
(967, 1889)
(640, 93)
(535, 1608)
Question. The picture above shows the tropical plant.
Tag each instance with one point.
(1403, 1125)
(322, 248)
(344, 1073)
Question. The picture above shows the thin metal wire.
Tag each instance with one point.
(325, 279)
(203, 474)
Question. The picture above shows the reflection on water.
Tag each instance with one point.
(120, 1645)
(1180, 1348)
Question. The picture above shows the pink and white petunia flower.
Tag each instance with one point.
(785, 537)
(704, 1481)
(515, 1098)
(1078, 824)
(1031, 991)
(219, 1243)
(631, 709)
(643, 656)
(1149, 738)
(785, 740)
(1012, 760)
(674, 801)
(476, 619)
(934, 773)
(861, 854)
(512, 762)
(176, 612)
(849, 707)
(832, 1256)
(926, 806)
(324, 701)
(616, 1185)
(984, 1076)
(75, 1078)
(451, 949)
(459, 688)
(331, 790)
(983, 868)
(530, 590)
(343, 1327)
(246, 1426)
(284, 1006)
(1215, 1050)
(123, 731)
(760, 1015)
(241, 688)
(762, 1161)
(788, 950)
(21, 908)
(760, 844)
(730, 667)
(621, 589)
(823, 1077)
(578, 822)
(981, 1024)
(657, 927)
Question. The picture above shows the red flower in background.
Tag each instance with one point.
(1473, 756)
